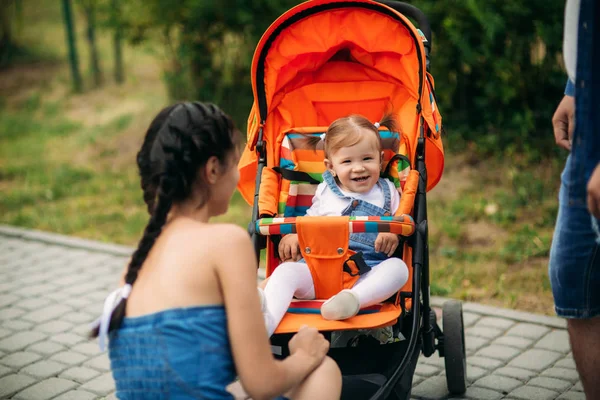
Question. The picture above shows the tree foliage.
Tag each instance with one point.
(498, 69)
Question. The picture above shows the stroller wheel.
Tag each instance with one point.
(455, 358)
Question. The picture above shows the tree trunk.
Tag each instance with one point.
(117, 41)
(72, 45)
(90, 15)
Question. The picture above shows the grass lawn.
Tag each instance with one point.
(67, 165)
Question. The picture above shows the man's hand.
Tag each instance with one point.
(386, 243)
(563, 122)
(289, 250)
(593, 193)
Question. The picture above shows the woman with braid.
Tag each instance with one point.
(188, 315)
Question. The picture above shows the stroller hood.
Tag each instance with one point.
(325, 59)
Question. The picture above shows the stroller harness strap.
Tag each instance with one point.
(324, 245)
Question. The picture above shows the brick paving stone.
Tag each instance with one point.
(495, 322)
(517, 373)
(102, 385)
(417, 379)
(89, 348)
(469, 319)
(44, 369)
(67, 338)
(101, 362)
(578, 387)
(433, 388)
(5, 370)
(69, 280)
(17, 325)
(33, 304)
(69, 357)
(36, 290)
(435, 360)
(497, 352)
(498, 383)
(568, 374)
(535, 359)
(20, 340)
(46, 348)
(566, 362)
(482, 331)
(5, 332)
(485, 363)
(55, 326)
(76, 290)
(572, 395)
(11, 384)
(478, 393)
(20, 359)
(7, 299)
(78, 302)
(474, 373)
(533, 393)
(78, 317)
(473, 343)
(530, 331)
(426, 370)
(556, 341)
(47, 313)
(514, 341)
(11, 313)
(46, 389)
(58, 296)
(80, 374)
(76, 395)
(111, 396)
(550, 383)
(82, 330)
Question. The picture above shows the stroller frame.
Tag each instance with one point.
(425, 334)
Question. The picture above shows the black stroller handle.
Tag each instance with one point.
(413, 12)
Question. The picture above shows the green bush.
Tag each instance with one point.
(498, 70)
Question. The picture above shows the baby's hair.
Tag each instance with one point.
(348, 131)
(179, 142)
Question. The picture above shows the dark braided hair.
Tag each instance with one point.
(179, 141)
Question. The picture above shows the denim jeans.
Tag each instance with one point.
(574, 266)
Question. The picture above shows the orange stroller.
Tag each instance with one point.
(319, 61)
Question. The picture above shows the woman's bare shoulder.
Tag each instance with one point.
(209, 234)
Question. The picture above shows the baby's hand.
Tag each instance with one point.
(289, 249)
(386, 243)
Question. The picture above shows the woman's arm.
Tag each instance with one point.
(261, 375)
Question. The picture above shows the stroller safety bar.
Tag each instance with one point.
(403, 225)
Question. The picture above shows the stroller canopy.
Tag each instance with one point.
(326, 59)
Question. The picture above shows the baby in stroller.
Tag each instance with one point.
(351, 187)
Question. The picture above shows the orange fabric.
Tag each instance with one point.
(407, 257)
(388, 315)
(269, 192)
(315, 72)
(324, 246)
(407, 201)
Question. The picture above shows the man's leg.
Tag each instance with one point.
(574, 270)
(584, 335)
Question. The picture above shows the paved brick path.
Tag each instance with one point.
(52, 286)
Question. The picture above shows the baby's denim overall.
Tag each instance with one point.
(363, 242)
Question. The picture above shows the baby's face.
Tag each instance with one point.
(357, 167)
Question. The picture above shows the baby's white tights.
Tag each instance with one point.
(293, 279)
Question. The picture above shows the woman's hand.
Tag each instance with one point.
(289, 249)
(310, 344)
(593, 190)
(386, 243)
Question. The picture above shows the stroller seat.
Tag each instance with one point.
(297, 177)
